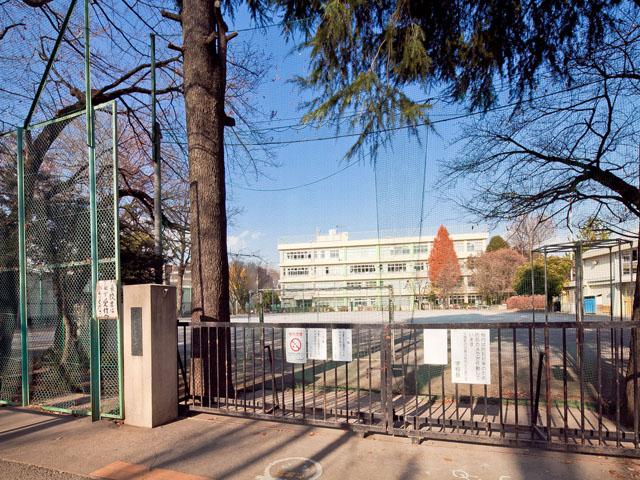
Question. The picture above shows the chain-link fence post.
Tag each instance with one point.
(95, 327)
(22, 269)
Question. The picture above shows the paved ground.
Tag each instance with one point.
(45, 446)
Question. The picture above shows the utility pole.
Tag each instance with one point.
(157, 174)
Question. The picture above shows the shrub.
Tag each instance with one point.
(523, 302)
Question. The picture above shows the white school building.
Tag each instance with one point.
(339, 271)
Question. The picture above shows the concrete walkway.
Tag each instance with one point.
(43, 445)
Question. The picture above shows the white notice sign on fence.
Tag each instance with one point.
(341, 344)
(296, 345)
(107, 299)
(317, 343)
(435, 347)
(470, 357)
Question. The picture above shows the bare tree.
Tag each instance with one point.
(530, 231)
(573, 153)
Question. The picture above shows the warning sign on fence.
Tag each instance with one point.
(341, 344)
(295, 345)
(471, 357)
(317, 343)
(107, 299)
(435, 347)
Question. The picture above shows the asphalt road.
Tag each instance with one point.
(24, 471)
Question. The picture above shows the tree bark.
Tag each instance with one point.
(204, 90)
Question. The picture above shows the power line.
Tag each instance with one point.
(416, 125)
(284, 189)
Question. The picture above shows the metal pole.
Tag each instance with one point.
(22, 269)
(116, 243)
(579, 302)
(157, 173)
(95, 327)
(52, 57)
(533, 290)
(546, 291)
(611, 291)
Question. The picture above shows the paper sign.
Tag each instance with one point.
(317, 343)
(435, 347)
(295, 345)
(107, 299)
(341, 344)
(470, 357)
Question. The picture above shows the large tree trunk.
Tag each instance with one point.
(204, 49)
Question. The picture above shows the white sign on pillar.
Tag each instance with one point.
(471, 356)
(435, 346)
(106, 299)
(341, 344)
(295, 345)
(317, 343)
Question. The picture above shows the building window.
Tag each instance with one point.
(397, 267)
(354, 285)
(298, 255)
(364, 252)
(400, 250)
(319, 254)
(474, 246)
(420, 248)
(297, 271)
(372, 283)
(326, 270)
(456, 299)
(368, 268)
(334, 253)
(418, 267)
(459, 247)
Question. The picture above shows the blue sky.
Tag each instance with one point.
(359, 198)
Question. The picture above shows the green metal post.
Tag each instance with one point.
(116, 243)
(22, 268)
(95, 327)
(52, 57)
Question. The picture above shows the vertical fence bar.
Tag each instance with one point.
(500, 382)
(22, 269)
(95, 328)
(116, 243)
(565, 390)
(599, 373)
(515, 384)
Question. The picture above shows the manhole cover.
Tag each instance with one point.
(293, 468)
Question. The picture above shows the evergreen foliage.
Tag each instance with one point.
(496, 243)
(366, 56)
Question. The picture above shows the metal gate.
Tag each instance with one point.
(559, 385)
(60, 242)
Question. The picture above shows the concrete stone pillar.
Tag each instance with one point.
(150, 340)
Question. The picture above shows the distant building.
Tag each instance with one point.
(339, 272)
(604, 275)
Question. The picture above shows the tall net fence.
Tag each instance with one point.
(10, 339)
(58, 264)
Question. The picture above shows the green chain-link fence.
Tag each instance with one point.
(56, 258)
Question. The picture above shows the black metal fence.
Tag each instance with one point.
(564, 385)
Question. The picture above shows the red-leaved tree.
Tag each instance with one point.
(444, 270)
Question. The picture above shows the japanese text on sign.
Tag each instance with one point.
(107, 299)
(341, 344)
(296, 345)
(317, 343)
(471, 356)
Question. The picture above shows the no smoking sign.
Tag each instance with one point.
(296, 345)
